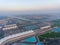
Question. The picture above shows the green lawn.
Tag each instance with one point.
(49, 35)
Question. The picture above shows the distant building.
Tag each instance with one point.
(3, 22)
(52, 42)
(45, 27)
(11, 26)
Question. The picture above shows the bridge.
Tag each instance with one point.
(23, 35)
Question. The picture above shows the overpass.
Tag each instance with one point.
(23, 35)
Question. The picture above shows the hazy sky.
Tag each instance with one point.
(22, 5)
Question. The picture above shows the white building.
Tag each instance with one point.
(46, 27)
(11, 26)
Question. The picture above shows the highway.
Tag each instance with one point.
(20, 18)
(23, 35)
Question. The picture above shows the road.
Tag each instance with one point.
(23, 35)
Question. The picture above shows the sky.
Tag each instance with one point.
(24, 5)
